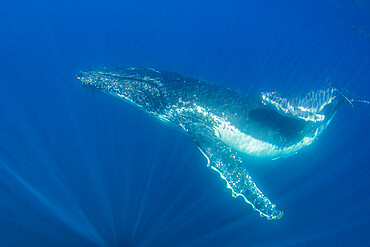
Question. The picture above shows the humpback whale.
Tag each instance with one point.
(228, 127)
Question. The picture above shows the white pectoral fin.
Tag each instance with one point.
(309, 107)
(241, 184)
(228, 164)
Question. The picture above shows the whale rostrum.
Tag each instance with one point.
(227, 126)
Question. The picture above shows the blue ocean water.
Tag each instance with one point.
(83, 169)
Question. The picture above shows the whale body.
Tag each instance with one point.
(227, 126)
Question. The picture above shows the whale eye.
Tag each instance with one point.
(288, 127)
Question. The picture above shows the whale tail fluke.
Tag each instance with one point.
(348, 96)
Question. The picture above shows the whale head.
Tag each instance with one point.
(130, 84)
(100, 80)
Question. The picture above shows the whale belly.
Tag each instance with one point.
(249, 145)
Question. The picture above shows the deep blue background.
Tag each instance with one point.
(83, 169)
